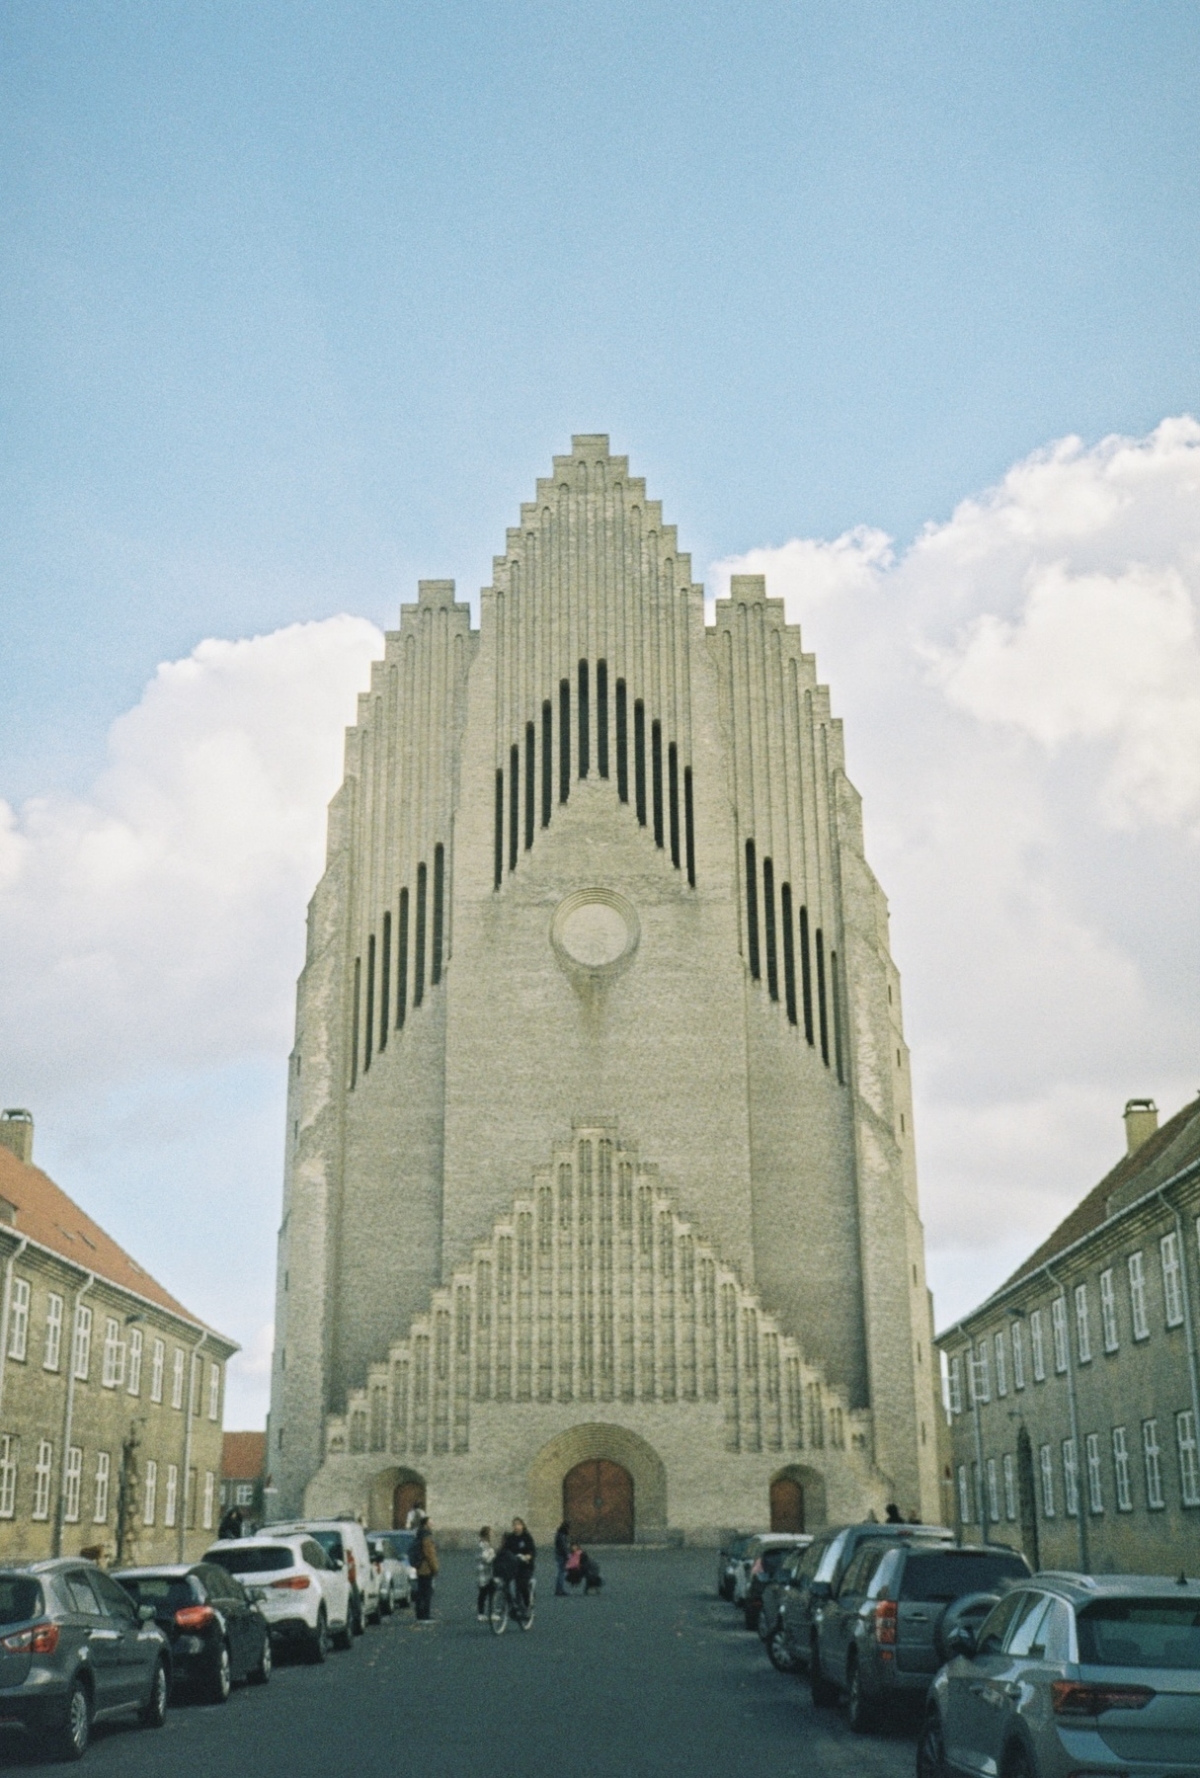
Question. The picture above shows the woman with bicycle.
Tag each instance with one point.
(521, 1552)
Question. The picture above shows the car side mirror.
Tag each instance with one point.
(819, 1591)
(145, 1614)
(961, 1641)
(336, 1564)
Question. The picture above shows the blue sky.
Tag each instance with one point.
(298, 300)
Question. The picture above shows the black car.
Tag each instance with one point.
(817, 1578)
(74, 1650)
(217, 1633)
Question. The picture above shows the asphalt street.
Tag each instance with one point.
(655, 1678)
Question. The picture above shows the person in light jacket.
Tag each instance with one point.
(485, 1573)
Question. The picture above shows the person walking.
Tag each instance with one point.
(485, 1573)
(562, 1549)
(424, 1559)
(521, 1551)
(231, 1524)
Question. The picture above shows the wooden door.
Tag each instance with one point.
(598, 1502)
(407, 1495)
(787, 1505)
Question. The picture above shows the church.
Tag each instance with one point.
(600, 1196)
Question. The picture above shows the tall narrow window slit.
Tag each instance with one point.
(584, 748)
(789, 952)
(622, 745)
(439, 902)
(547, 761)
(385, 982)
(564, 740)
(656, 773)
(402, 963)
(514, 802)
(835, 991)
(689, 825)
(752, 909)
(768, 875)
(370, 1021)
(419, 948)
(499, 861)
(806, 975)
(530, 773)
(673, 800)
(822, 1014)
(354, 1023)
(602, 718)
(639, 758)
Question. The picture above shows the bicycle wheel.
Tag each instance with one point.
(498, 1612)
(526, 1618)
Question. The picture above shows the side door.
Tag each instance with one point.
(138, 1644)
(227, 1595)
(976, 1686)
(101, 1633)
(335, 1585)
(841, 1615)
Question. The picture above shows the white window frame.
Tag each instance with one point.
(1152, 1459)
(1108, 1310)
(177, 1378)
(150, 1492)
(1037, 1346)
(1120, 1450)
(9, 1453)
(72, 1484)
(1083, 1325)
(103, 1474)
(1001, 1367)
(171, 1503)
(1095, 1478)
(1010, 1487)
(42, 1473)
(1046, 1463)
(1070, 1463)
(134, 1384)
(158, 1361)
(964, 1494)
(1018, 1349)
(243, 1494)
(983, 1378)
(954, 1385)
(993, 1491)
(1168, 1249)
(1189, 1458)
(52, 1355)
(1137, 1296)
(214, 1392)
(81, 1342)
(210, 1486)
(1058, 1324)
(196, 1371)
(113, 1372)
(18, 1320)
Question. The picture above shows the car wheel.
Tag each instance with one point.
(386, 1603)
(1018, 1764)
(376, 1616)
(779, 1654)
(931, 1749)
(358, 1623)
(861, 1712)
(261, 1674)
(824, 1692)
(344, 1638)
(318, 1646)
(154, 1710)
(69, 1741)
(220, 1680)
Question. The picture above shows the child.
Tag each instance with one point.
(484, 1573)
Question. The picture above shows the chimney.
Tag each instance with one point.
(1141, 1121)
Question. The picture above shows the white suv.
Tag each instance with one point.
(345, 1541)
(304, 1593)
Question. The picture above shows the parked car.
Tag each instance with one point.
(305, 1593)
(346, 1542)
(879, 1639)
(760, 1560)
(728, 1557)
(770, 1617)
(820, 1573)
(75, 1650)
(1072, 1674)
(397, 1577)
(216, 1627)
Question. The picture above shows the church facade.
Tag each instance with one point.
(600, 1191)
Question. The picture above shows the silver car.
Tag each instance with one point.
(1069, 1675)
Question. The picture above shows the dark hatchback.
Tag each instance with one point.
(217, 1633)
(75, 1650)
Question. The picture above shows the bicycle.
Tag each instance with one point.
(506, 1602)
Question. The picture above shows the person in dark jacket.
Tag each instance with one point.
(424, 1559)
(231, 1524)
(521, 1552)
(562, 1549)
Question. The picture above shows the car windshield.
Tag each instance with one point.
(1141, 1633)
(395, 1543)
(772, 1558)
(253, 1558)
(20, 1598)
(949, 1574)
(159, 1590)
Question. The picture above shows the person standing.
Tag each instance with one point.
(425, 1560)
(562, 1549)
(521, 1551)
(485, 1573)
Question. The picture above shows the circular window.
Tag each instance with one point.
(595, 930)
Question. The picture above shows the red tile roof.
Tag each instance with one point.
(48, 1216)
(244, 1457)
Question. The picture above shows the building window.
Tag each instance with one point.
(1083, 1325)
(1010, 1487)
(993, 1491)
(54, 1326)
(1108, 1310)
(18, 1332)
(1168, 1247)
(982, 1378)
(964, 1495)
(189, 1500)
(1037, 1346)
(210, 1483)
(1070, 1478)
(8, 1476)
(157, 1361)
(1137, 1297)
(41, 1479)
(1121, 1470)
(214, 1392)
(150, 1492)
(1018, 1345)
(1001, 1367)
(135, 1361)
(1189, 1468)
(1153, 1461)
(1058, 1322)
(1094, 1479)
(177, 1379)
(196, 1372)
(73, 1475)
(102, 1471)
(114, 1355)
(955, 1381)
(244, 1493)
(1046, 1459)
(172, 1499)
(82, 1345)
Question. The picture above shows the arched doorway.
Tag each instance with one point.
(598, 1501)
(405, 1496)
(787, 1504)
